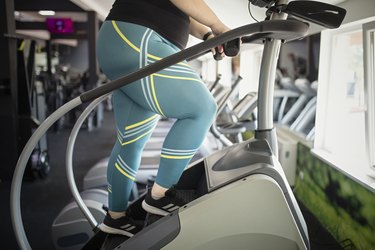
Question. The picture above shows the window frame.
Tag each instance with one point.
(369, 78)
(364, 174)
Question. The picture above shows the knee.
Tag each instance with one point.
(211, 107)
(206, 109)
(196, 103)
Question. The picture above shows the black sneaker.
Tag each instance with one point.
(163, 206)
(124, 226)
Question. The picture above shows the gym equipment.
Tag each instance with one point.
(265, 212)
(305, 123)
(243, 117)
(213, 85)
(31, 107)
(96, 177)
(300, 115)
(70, 230)
(222, 104)
(286, 97)
(303, 85)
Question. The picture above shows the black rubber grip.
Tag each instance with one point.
(232, 48)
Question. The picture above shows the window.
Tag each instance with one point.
(251, 57)
(343, 113)
(369, 65)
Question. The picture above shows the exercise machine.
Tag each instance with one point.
(222, 116)
(303, 86)
(285, 98)
(70, 230)
(238, 196)
(304, 123)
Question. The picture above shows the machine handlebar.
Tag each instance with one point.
(277, 29)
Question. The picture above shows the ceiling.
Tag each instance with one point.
(226, 10)
(233, 13)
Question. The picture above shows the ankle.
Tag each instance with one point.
(116, 215)
(158, 191)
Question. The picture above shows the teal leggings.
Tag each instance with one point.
(175, 92)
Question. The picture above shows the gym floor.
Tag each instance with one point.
(42, 200)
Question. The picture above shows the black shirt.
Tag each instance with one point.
(160, 15)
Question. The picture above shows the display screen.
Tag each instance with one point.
(60, 25)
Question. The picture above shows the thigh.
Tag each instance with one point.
(134, 123)
(176, 91)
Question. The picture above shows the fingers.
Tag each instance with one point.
(218, 52)
(221, 49)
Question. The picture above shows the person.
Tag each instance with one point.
(137, 33)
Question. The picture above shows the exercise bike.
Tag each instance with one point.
(237, 197)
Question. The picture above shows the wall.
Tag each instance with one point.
(77, 57)
(358, 9)
(344, 207)
(297, 49)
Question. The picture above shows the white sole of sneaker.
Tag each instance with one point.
(153, 210)
(111, 230)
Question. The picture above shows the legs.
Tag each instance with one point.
(194, 109)
(134, 126)
(189, 101)
(175, 92)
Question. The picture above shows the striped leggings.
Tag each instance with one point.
(175, 92)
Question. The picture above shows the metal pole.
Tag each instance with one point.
(266, 87)
(69, 160)
(15, 192)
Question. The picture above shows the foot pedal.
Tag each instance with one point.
(113, 240)
(186, 195)
(151, 218)
(96, 241)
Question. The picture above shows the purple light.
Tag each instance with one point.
(60, 25)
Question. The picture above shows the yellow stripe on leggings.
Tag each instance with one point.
(154, 95)
(139, 137)
(141, 122)
(124, 173)
(176, 157)
(135, 47)
(178, 77)
(119, 139)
